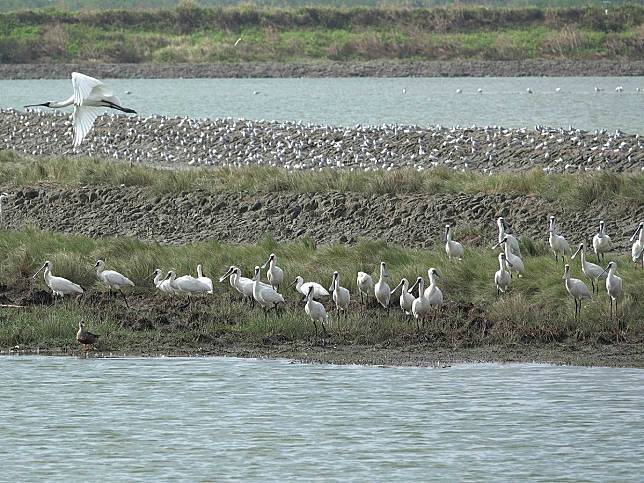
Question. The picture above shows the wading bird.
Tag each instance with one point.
(274, 273)
(592, 271)
(162, 283)
(420, 306)
(381, 290)
(59, 286)
(315, 310)
(3, 196)
(433, 294)
(558, 244)
(453, 248)
(303, 287)
(266, 297)
(577, 289)
(341, 295)
(638, 244)
(204, 279)
(113, 280)
(90, 97)
(406, 299)
(186, 284)
(85, 337)
(614, 286)
(601, 242)
(243, 285)
(365, 286)
(503, 233)
(502, 277)
(515, 262)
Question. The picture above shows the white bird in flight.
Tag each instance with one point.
(90, 97)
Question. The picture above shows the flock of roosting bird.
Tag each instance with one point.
(267, 296)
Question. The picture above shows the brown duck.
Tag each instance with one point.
(85, 337)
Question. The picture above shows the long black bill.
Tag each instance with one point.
(44, 104)
(119, 108)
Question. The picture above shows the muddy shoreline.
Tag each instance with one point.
(384, 68)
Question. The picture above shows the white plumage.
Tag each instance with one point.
(592, 271)
(514, 244)
(453, 248)
(112, 279)
(274, 273)
(558, 243)
(406, 299)
(315, 310)
(381, 289)
(601, 242)
(614, 286)
(59, 286)
(365, 285)
(341, 296)
(303, 287)
(204, 279)
(502, 277)
(267, 297)
(638, 243)
(577, 289)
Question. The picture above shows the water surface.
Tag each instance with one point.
(220, 418)
(349, 101)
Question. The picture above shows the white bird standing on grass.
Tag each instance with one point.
(433, 294)
(267, 297)
(515, 262)
(453, 248)
(365, 285)
(514, 244)
(577, 289)
(406, 299)
(204, 279)
(3, 196)
(381, 290)
(59, 286)
(420, 307)
(592, 271)
(114, 280)
(243, 285)
(274, 273)
(303, 287)
(315, 310)
(187, 284)
(341, 295)
(638, 244)
(162, 283)
(90, 97)
(558, 244)
(601, 242)
(502, 277)
(614, 286)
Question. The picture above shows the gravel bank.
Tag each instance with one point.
(455, 68)
(180, 142)
(409, 220)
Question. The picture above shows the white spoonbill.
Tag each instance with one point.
(90, 97)
(381, 290)
(204, 279)
(274, 273)
(3, 196)
(59, 286)
(515, 262)
(638, 243)
(341, 296)
(577, 289)
(453, 248)
(114, 280)
(267, 297)
(365, 285)
(592, 271)
(601, 242)
(502, 277)
(614, 286)
(406, 299)
(243, 285)
(303, 287)
(558, 244)
(162, 283)
(186, 284)
(503, 233)
(315, 310)
(433, 294)
(420, 306)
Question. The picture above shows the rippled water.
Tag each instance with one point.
(350, 101)
(217, 419)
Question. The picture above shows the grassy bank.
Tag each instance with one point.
(191, 33)
(537, 310)
(574, 190)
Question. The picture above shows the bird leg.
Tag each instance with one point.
(124, 298)
(316, 327)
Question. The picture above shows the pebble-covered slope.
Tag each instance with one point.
(183, 142)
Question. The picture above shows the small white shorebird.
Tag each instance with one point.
(274, 273)
(502, 278)
(3, 196)
(515, 262)
(614, 286)
(381, 289)
(114, 280)
(319, 291)
(204, 279)
(406, 299)
(638, 244)
(503, 227)
(365, 286)
(341, 295)
(267, 297)
(89, 99)
(453, 248)
(601, 242)
(592, 271)
(558, 243)
(315, 310)
(577, 289)
(59, 286)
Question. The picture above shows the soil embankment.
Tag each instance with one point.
(414, 220)
(379, 68)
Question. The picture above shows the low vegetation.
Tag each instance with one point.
(537, 309)
(191, 33)
(575, 190)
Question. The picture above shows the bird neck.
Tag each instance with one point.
(199, 271)
(59, 104)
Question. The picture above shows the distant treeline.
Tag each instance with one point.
(190, 33)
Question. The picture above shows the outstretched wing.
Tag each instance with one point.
(83, 119)
(86, 87)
